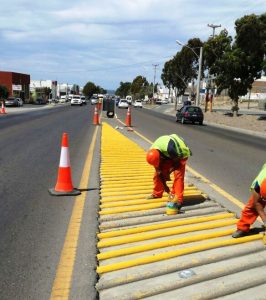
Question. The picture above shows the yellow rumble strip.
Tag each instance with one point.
(144, 253)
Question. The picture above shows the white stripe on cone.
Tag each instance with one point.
(64, 158)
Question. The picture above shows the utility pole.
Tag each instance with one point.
(210, 86)
(213, 28)
(155, 66)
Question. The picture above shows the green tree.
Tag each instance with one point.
(100, 90)
(89, 89)
(138, 86)
(237, 65)
(4, 93)
(124, 89)
(183, 67)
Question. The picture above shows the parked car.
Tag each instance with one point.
(76, 100)
(123, 103)
(158, 101)
(190, 114)
(138, 103)
(13, 101)
(40, 101)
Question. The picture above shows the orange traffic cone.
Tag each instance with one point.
(128, 117)
(64, 185)
(3, 111)
(96, 116)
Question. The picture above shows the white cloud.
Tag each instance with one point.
(99, 38)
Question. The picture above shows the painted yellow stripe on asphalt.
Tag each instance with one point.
(137, 192)
(175, 253)
(117, 204)
(141, 229)
(63, 279)
(217, 188)
(158, 234)
(135, 186)
(128, 209)
(187, 194)
(163, 244)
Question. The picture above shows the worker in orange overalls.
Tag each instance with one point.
(169, 153)
(255, 206)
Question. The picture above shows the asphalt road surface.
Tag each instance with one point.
(229, 159)
(33, 224)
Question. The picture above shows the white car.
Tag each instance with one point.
(123, 103)
(62, 99)
(94, 100)
(83, 99)
(138, 103)
(76, 100)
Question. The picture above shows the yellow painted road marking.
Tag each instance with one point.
(63, 279)
(187, 194)
(158, 234)
(163, 244)
(175, 253)
(133, 187)
(140, 229)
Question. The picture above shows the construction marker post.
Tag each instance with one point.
(3, 111)
(128, 117)
(64, 186)
(96, 116)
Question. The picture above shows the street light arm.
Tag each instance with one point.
(181, 44)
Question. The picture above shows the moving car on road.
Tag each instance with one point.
(76, 100)
(123, 103)
(138, 103)
(94, 99)
(12, 101)
(83, 99)
(190, 114)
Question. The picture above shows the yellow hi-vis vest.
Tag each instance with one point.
(161, 144)
(260, 177)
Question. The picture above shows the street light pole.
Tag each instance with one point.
(199, 69)
(154, 78)
(199, 74)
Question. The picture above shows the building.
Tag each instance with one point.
(18, 84)
(46, 89)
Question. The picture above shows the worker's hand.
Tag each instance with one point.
(172, 198)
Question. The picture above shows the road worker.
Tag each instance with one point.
(169, 153)
(255, 206)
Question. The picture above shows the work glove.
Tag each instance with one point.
(172, 198)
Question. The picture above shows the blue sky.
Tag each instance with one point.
(106, 41)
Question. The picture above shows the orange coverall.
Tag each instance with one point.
(249, 214)
(178, 183)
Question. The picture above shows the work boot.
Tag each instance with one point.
(173, 208)
(152, 197)
(239, 233)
